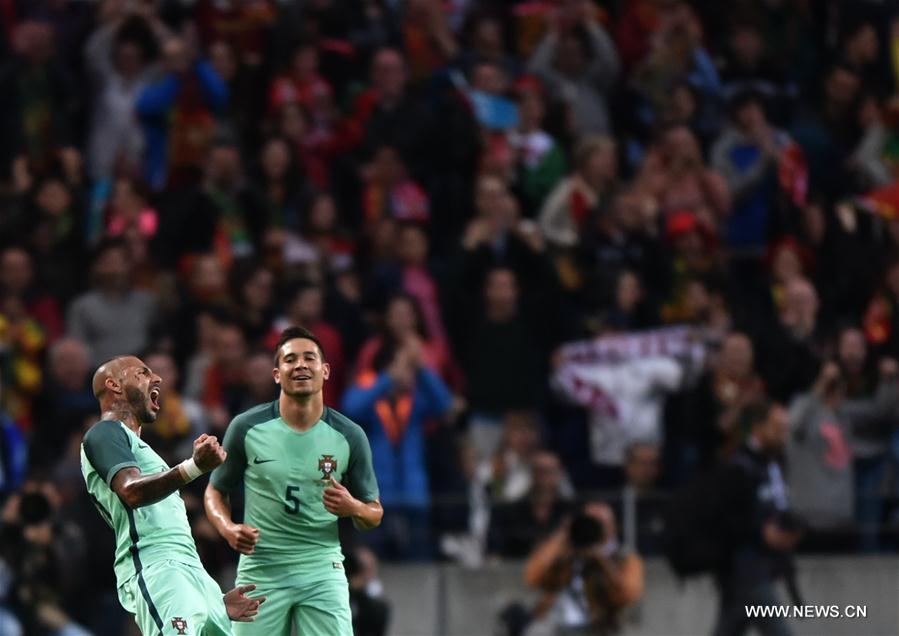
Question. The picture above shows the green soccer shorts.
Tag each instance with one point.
(316, 609)
(170, 598)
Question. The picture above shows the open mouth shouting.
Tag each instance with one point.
(154, 397)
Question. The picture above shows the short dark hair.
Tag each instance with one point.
(293, 333)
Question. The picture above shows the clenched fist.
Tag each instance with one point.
(338, 500)
(208, 454)
(242, 537)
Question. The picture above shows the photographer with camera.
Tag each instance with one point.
(40, 552)
(759, 531)
(586, 576)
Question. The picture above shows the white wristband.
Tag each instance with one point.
(189, 470)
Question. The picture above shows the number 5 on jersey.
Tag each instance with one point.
(292, 505)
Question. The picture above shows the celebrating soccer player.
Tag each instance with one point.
(159, 575)
(303, 465)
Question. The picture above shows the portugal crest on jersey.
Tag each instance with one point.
(327, 464)
(180, 624)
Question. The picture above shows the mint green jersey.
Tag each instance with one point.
(145, 535)
(284, 473)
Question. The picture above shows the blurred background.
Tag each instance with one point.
(636, 261)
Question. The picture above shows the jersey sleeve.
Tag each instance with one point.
(229, 475)
(360, 477)
(108, 449)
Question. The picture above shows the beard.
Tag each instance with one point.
(140, 405)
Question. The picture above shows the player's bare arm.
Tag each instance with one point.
(137, 490)
(339, 501)
(240, 536)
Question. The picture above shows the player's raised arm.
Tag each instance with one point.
(137, 490)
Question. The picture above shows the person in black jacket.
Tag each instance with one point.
(758, 528)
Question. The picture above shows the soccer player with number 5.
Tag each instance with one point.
(303, 465)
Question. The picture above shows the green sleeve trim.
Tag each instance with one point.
(115, 469)
(361, 480)
(229, 476)
(108, 449)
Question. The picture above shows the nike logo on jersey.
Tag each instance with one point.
(142, 446)
(262, 461)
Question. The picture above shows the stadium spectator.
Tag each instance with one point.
(750, 67)
(389, 192)
(177, 112)
(220, 216)
(257, 379)
(516, 527)
(867, 402)
(387, 115)
(113, 317)
(497, 354)
(539, 159)
(746, 154)
(714, 424)
(623, 237)
(567, 210)
(282, 195)
(792, 352)
(677, 53)
(65, 401)
(427, 38)
(222, 381)
(827, 131)
(504, 478)
(498, 236)
(392, 399)
(623, 391)
(119, 55)
(48, 222)
(676, 176)
(130, 212)
(412, 274)
(579, 65)
(22, 343)
(17, 280)
(37, 108)
(255, 294)
(860, 51)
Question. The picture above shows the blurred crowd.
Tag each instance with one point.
(554, 250)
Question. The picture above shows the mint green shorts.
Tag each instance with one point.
(315, 609)
(170, 598)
